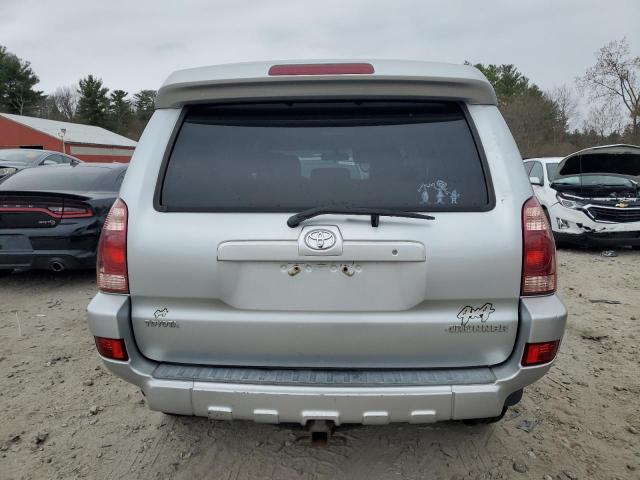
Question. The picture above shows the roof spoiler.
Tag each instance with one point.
(27, 193)
(389, 79)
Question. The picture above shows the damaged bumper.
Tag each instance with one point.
(575, 227)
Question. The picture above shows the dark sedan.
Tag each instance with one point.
(13, 160)
(51, 217)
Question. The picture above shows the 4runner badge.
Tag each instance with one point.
(320, 239)
(467, 313)
(481, 313)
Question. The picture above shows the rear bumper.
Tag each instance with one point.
(465, 394)
(71, 244)
(44, 259)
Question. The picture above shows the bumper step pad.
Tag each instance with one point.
(314, 377)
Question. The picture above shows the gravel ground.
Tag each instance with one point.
(64, 416)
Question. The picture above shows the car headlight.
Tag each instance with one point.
(574, 204)
(7, 171)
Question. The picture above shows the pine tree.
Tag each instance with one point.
(144, 102)
(120, 112)
(93, 104)
(17, 80)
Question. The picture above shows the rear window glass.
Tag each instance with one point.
(20, 156)
(66, 179)
(291, 157)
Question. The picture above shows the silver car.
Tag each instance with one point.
(13, 160)
(328, 243)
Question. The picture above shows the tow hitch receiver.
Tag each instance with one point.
(321, 431)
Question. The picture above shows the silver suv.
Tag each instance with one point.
(328, 242)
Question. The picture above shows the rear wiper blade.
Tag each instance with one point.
(375, 213)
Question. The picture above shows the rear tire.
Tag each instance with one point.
(561, 243)
(485, 421)
(6, 273)
(546, 214)
(513, 399)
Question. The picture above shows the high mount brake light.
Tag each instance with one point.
(112, 251)
(538, 252)
(322, 69)
(539, 353)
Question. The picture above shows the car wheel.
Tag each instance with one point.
(560, 243)
(6, 273)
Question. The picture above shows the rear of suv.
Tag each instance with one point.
(342, 242)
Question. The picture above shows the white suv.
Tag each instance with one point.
(327, 243)
(591, 197)
(541, 172)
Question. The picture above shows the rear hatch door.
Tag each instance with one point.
(217, 277)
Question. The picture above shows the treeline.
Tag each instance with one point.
(549, 123)
(92, 103)
(88, 102)
(542, 122)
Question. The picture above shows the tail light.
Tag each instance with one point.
(112, 251)
(112, 348)
(538, 253)
(322, 69)
(539, 353)
(58, 211)
(72, 211)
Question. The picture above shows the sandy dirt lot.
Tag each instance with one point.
(64, 416)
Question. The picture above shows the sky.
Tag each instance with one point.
(134, 45)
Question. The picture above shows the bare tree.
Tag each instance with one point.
(66, 101)
(604, 120)
(566, 104)
(616, 77)
(60, 105)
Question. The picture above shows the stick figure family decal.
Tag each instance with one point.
(441, 193)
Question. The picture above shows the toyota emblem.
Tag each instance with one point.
(320, 239)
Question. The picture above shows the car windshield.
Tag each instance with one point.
(552, 168)
(591, 180)
(19, 156)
